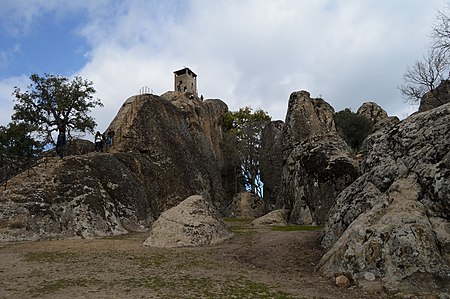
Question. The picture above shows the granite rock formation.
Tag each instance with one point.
(316, 163)
(178, 131)
(439, 96)
(246, 205)
(193, 222)
(391, 227)
(163, 151)
(377, 115)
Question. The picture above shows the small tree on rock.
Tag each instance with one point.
(352, 127)
(56, 104)
(17, 140)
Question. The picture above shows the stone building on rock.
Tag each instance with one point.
(185, 80)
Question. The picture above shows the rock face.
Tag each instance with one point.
(377, 115)
(246, 205)
(180, 132)
(316, 166)
(271, 162)
(440, 96)
(193, 222)
(391, 228)
(78, 147)
(372, 111)
(164, 150)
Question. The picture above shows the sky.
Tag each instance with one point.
(245, 52)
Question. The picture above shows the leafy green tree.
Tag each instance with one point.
(352, 127)
(244, 129)
(16, 140)
(54, 103)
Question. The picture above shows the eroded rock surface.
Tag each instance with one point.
(179, 130)
(246, 205)
(163, 150)
(391, 227)
(316, 164)
(440, 96)
(193, 222)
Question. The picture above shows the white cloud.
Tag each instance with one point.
(256, 52)
(6, 98)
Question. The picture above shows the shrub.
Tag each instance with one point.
(352, 127)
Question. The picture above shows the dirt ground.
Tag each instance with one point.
(256, 263)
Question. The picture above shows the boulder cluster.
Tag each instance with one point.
(385, 210)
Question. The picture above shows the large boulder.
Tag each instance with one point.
(246, 205)
(391, 228)
(193, 222)
(276, 217)
(316, 163)
(179, 130)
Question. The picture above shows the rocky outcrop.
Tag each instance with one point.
(179, 131)
(163, 150)
(276, 217)
(246, 205)
(316, 166)
(372, 111)
(193, 222)
(439, 96)
(377, 115)
(78, 147)
(271, 161)
(391, 228)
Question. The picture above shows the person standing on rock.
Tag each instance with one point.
(98, 142)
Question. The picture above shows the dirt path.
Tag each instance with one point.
(256, 263)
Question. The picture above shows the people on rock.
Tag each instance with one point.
(98, 142)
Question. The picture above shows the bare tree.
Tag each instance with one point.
(441, 33)
(424, 76)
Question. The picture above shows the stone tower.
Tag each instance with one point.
(185, 80)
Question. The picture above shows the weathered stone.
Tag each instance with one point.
(342, 282)
(277, 217)
(316, 165)
(163, 150)
(179, 131)
(372, 111)
(193, 222)
(393, 220)
(440, 96)
(78, 147)
(246, 205)
(377, 115)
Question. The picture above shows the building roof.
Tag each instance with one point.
(184, 71)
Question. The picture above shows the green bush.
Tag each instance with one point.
(352, 127)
